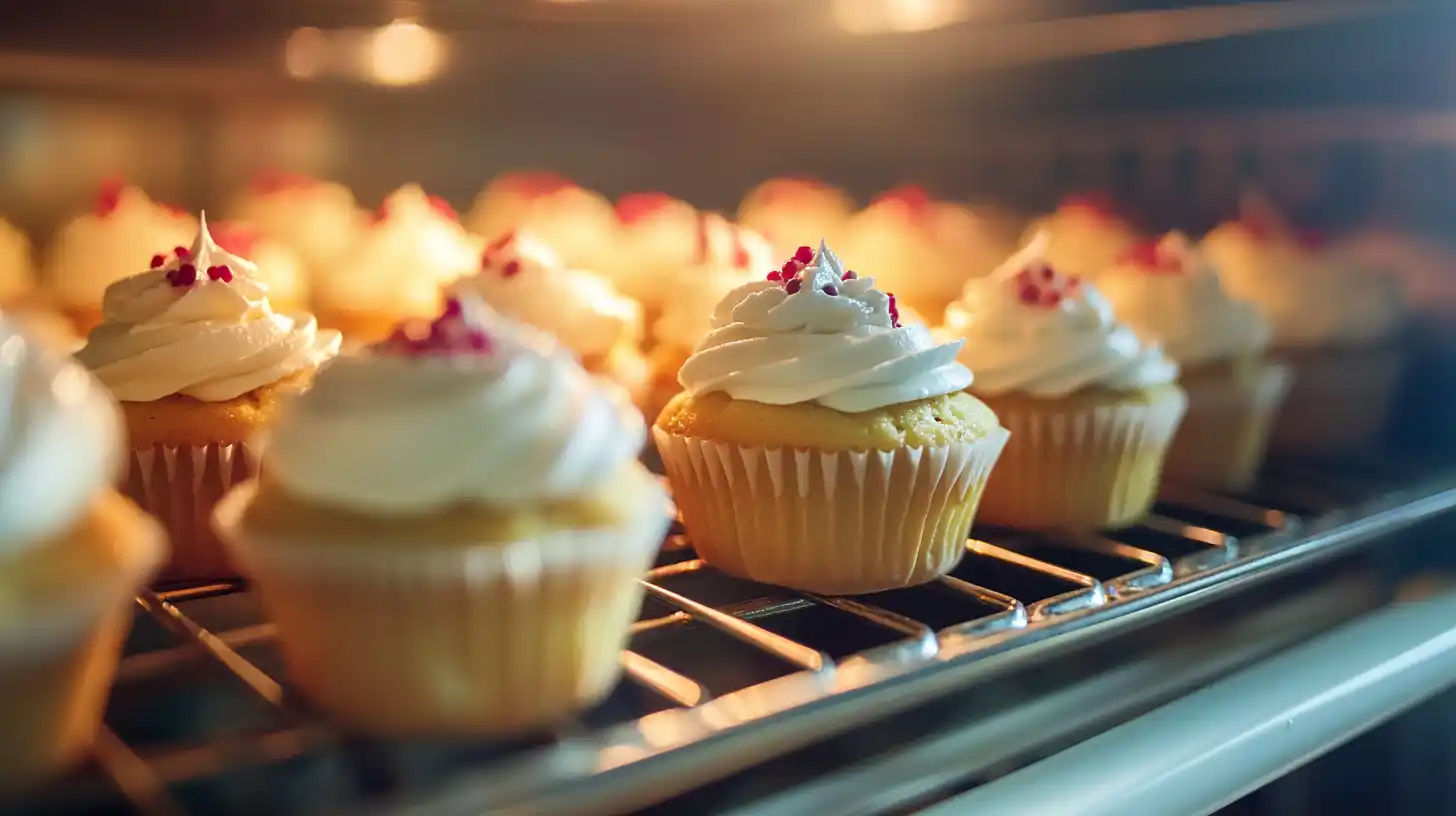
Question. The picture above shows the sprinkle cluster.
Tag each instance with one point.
(186, 272)
(494, 251)
(788, 275)
(450, 333)
(1040, 285)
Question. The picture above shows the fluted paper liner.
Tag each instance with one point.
(1221, 442)
(1339, 402)
(56, 666)
(836, 523)
(493, 638)
(1079, 467)
(179, 487)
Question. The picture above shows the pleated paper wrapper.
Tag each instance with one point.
(179, 486)
(496, 638)
(1079, 467)
(1339, 401)
(835, 523)
(1225, 432)
(56, 665)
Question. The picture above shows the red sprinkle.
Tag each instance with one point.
(831, 290)
(108, 196)
(184, 275)
(776, 276)
(182, 252)
(1042, 286)
(804, 254)
(894, 311)
(850, 275)
(158, 260)
(221, 272)
(511, 269)
(793, 286)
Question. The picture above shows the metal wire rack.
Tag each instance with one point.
(719, 673)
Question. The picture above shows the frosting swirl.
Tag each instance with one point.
(523, 278)
(60, 440)
(1169, 291)
(476, 409)
(198, 325)
(817, 333)
(1031, 330)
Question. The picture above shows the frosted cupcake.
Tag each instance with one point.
(657, 240)
(787, 210)
(1338, 327)
(1091, 408)
(578, 223)
(450, 532)
(395, 272)
(1086, 235)
(925, 250)
(522, 278)
(72, 554)
(200, 362)
(122, 232)
(318, 220)
(1168, 291)
(276, 265)
(819, 444)
(727, 257)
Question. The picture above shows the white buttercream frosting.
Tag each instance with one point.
(1170, 292)
(486, 412)
(414, 247)
(523, 278)
(213, 338)
(101, 247)
(823, 336)
(1031, 330)
(60, 439)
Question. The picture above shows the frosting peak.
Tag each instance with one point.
(1029, 329)
(59, 441)
(199, 325)
(817, 332)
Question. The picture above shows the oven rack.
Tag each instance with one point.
(719, 674)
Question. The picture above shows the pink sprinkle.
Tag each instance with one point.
(158, 260)
(790, 268)
(793, 286)
(894, 311)
(850, 275)
(184, 275)
(511, 269)
(831, 290)
(221, 272)
(804, 254)
(775, 275)
(182, 252)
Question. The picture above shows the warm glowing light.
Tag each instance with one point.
(404, 53)
(305, 52)
(881, 16)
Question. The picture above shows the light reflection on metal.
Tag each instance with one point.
(898, 16)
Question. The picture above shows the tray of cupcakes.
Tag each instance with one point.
(407, 552)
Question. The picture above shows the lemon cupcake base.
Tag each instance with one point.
(1082, 462)
(1231, 408)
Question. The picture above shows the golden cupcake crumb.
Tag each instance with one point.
(184, 421)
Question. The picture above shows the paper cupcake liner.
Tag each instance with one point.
(179, 487)
(439, 640)
(56, 666)
(1339, 402)
(1079, 467)
(838, 523)
(1221, 442)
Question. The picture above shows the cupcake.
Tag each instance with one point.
(1168, 291)
(122, 232)
(820, 445)
(17, 275)
(1338, 326)
(578, 223)
(200, 362)
(318, 221)
(727, 257)
(522, 278)
(414, 246)
(785, 210)
(1086, 235)
(658, 239)
(277, 266)
(925, 250)
(450, 531)
(1091, 408)
(72, 554)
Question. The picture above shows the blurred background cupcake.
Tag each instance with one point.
(1169, 293)
(1086, 235)
(72, 555)
(793, 210)
(658, 239)
(450, 531)
(121, 234)
(277, 266)
(579, 224)
(413, 247)
(200, 362)
(1337, 325)
(318, 220)
(1091, 408)
(523, 278)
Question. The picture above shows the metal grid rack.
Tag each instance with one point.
(201, 718)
